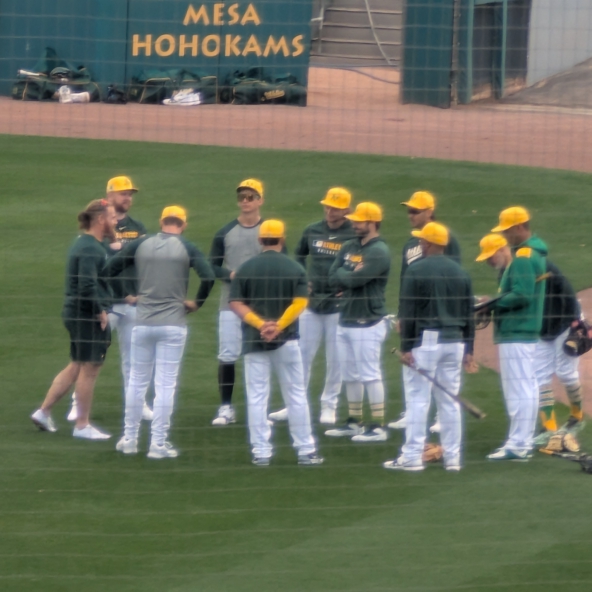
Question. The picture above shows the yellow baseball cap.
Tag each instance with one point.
(337, 197)
(421, 200)
(253, 184)
(120, 184)
(366, 212)
(174, 212)
(511, 217)
(272, 229)
(433, 233)
(490, 245)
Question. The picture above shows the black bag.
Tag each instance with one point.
(115, 96)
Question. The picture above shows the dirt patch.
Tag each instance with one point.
(486, 355)
(348, 112)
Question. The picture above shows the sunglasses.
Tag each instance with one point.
(249, 197)
(413, 211)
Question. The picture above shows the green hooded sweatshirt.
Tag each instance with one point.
(518, 314)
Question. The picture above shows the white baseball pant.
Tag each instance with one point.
(550, 359)
(442, 361)
(230, 337)
(157, 349)
(286, 362)
(359, 350)
(123, 320)
(521, 393)
(313, 327)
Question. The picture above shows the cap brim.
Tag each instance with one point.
(500, 228)
(416, 233)
(331, 205)
(484, 256)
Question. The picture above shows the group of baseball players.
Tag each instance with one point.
(275, 311)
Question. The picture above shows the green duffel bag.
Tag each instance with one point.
(150, 86)
(257, 92)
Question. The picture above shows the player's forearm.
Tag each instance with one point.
(292, 313)
(246, 314)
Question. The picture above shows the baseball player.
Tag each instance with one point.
(437, 335)
(234, 244)
(321, 242)
(360, 274)
(162, 266)
(420, 210)
(85, 317)
(268, 293)
(517, 317)
(561, 309)
(120, 194)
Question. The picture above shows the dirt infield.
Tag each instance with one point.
(348, 112)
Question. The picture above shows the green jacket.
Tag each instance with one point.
(363, 301)
(518, 314)
(437, 296)
(321, 244)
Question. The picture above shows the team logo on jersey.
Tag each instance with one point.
(325, 247)
(127, 236)
(413, 254)
(354, 258)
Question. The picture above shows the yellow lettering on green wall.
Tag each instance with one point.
(205, 46)
(251, 16)
(252, 46)
(231, 45)
(170, 42)
(274, 47)
(233, 13)
(192, 45)
(297, 45)
(218, 13)
(145, 45)
(191, 16)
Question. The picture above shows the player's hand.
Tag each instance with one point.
(104, 320)
(408, 359)
(359, 266)
(232, 275)
(269, 331)
(190, 306)
(469, 364)
(116, 246)
(133, 300)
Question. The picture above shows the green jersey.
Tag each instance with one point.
(412, 252)
(321, 244)
(86, 293)
(125, 284)
(268, 284)
(436, 295)
(362, 302)
(518, 314)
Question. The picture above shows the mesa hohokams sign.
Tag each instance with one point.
(227, 30)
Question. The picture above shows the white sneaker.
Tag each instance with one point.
(452, 468)
(43, 422)
(164, 451)
(281, 415)
(436, 427)
(89, 432)
(400, 424)
(64, 94)
(225, 416)
(147, 413)
(127, 446)
(351, 428)
(328, 416)
(402, 464)
(374, 433)
(73, 413)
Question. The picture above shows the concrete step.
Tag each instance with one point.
(358, 33)
(359, 49)
(339, 16)
(348, 62)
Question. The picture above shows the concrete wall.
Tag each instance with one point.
(560, 37)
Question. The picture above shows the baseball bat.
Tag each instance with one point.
(472, 409)
(566, 455)
(31, 74)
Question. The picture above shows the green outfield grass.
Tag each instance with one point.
(77, 516)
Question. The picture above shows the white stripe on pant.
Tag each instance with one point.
(443, 361)
(286, 362)
(521, 393)
(157, 349)
(313, 327)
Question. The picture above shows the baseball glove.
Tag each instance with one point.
(432, 453)
(578, 341)
(563, 442)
